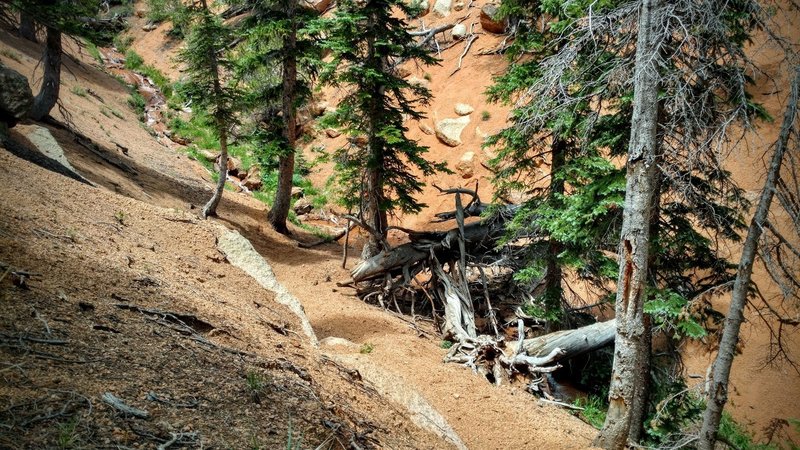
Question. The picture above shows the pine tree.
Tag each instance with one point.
(578, 86)
(277, 37)
(367, 39)
(205, 67)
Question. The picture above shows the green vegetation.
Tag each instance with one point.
(256, 384)
(68, 437)
(136, 101)
(445, 344)
(732, 432)
(485, 115)
(175, 11)
(135, 62)
(120, 216)
(122, 42)
(11, 54)
(292, 442)
(594, 410)
(80, 91)
(93, 51)
(367, 348)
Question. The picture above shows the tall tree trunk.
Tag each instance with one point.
(51, 79)
(717, 394)
(632, 340)
(373, 213)
(210, 209)
(27, 27)
(283, 196)
(552, 282)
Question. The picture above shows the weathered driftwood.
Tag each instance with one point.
(443, 243)
(572, 343)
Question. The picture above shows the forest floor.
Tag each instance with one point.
(230, 363)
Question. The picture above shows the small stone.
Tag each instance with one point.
(149, 26)
(442, 7)
(421, 82)
(458, 6)
(333, 133)
(302, 206)
(459, 31)
(449, 130)
(297, 192)
(462, 109)
(466, 165)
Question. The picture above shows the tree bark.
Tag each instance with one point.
(374, 214)
(632, 340)
(283, 196)
(27, 27)
(572, 343)
(717, 391)
(552, 282)
(51, 79)
(210, 209)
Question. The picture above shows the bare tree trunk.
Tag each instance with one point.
(632, 341)
(27, 27)
(283, 196)
(51, 79)
(572, 343)
(717, 391)
(552, 281)
(210, 209)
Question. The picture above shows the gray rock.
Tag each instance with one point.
(47, 145)
(463, 109)
(16, 98)
(459, 31)
(449, 130)
(442, 7)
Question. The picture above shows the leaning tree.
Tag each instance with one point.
(206, 65)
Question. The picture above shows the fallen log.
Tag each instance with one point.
(572, 343)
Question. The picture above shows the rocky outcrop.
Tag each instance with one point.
(449, 130)
(490, 21)
(16, 98)
(45, 143)
(240, 253)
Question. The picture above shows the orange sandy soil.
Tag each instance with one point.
(484, 417)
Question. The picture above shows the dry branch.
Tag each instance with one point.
(119, 405)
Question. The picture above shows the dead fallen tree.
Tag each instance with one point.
(448, 270)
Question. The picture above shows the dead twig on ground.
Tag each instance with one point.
(116, 403)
